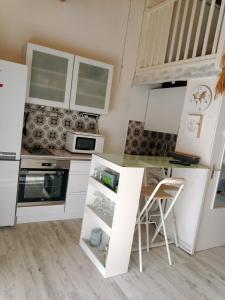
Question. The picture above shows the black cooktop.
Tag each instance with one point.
(39, 151)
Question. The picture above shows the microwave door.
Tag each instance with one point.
(85, 144)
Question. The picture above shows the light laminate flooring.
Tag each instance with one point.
(44, 261)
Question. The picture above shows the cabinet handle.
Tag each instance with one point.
(213, 171)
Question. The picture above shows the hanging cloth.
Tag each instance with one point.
(220, 86)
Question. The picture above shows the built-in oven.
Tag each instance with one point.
(42, 182)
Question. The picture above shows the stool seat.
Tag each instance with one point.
(160, 194)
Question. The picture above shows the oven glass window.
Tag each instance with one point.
(85, 143)
(42, 185)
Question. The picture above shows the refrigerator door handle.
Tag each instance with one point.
(212, 171)
(7, 155)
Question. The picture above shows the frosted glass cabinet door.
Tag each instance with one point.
(49, 76)
(91, 86)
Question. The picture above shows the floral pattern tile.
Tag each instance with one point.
(46, 127)
(143, 142)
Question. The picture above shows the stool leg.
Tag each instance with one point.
(139, 245)
(174, 228)
(164, 231)
(147, 228)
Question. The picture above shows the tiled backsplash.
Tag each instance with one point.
(46, 127)
(143, 142)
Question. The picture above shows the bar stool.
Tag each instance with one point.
(167, 189)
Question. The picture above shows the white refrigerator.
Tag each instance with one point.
(212, 225)
(13, 79)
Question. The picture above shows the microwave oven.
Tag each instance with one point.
(84, 142)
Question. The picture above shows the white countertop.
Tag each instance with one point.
(57, 154)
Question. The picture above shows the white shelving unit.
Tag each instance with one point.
(119, 228)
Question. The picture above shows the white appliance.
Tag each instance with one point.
(84, 142)
(211, 229)
(12, 99)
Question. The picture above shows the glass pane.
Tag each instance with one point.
(48, 77)
(46, 186)
(91, 86)
(220, 194)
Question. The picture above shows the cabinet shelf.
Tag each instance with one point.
(90, 95)
(96, 256)
(45, 86)
(103, 189)
(49, 71)
(104, 222)
(91, 81)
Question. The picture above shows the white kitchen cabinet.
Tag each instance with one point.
(60, 79)
(91, 86)
(77, 188)
(75, 205)
(49, 76)
(164, 109)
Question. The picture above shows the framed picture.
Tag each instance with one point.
(193, 125)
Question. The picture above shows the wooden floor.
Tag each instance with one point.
(44, 261)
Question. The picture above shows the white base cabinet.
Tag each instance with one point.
(119, 228)
(77, 188)
(75, 199)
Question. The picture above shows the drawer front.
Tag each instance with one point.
(77, 183)
(80, 167)
(75, 205)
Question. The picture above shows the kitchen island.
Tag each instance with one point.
(118, 228)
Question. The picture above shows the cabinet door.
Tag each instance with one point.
(75, 203)
(77, 183)
(91, 86)
(49, 76)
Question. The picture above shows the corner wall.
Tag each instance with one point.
(91, 28)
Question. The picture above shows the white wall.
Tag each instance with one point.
(91, 28)
(192, 208)
(164, 109)
(203, 145)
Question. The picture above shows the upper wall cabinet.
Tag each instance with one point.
(49, 76)
(60, 79)
(91, 86)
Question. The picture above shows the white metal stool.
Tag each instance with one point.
(166, 189)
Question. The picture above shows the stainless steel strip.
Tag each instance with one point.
(7, 155)
(48, 164)
(41, 172)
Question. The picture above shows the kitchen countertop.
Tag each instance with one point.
(139, 161)
(57, 154)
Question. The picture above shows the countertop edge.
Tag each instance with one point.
(57, 155)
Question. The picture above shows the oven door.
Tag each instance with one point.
(42, 187)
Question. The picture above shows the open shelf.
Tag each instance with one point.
(103, 189)
(104, 221)
(117, 227)
(96, 256)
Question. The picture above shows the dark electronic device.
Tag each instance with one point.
(184, 157)
(178, 162)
